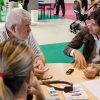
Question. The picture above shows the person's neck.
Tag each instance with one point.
(22, 93)
(98, 36)
(10, 34)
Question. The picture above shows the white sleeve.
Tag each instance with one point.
(34, 45)
(72, 52)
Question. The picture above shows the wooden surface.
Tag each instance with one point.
(58, 70)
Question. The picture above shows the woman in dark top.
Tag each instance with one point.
(25, 4)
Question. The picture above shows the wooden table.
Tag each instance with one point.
(43, 4)
(58, 70)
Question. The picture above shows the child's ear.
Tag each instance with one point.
(28, 78)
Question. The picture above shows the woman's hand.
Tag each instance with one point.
(35, 88)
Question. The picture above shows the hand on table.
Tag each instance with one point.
(92, 72)
(39, 67)
(80, 62)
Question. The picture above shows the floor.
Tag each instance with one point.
(54, 30)
(51, 31)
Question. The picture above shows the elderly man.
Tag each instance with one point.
(17, 26)
(90, 37)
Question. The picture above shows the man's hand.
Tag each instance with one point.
(92, 72)
(39, 67)
(80, 62)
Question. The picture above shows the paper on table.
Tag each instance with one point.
(93, 86)
(53, 98)
(77, 94)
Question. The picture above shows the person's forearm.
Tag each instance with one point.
(67, 50)
(22, 1)
(97, 2)
(20, 99)
(40, 58)
(40, 97)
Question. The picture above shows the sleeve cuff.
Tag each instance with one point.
(72, 52)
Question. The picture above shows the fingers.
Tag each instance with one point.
(92, 65)
(39, 71)
(80, 64)
(36, 65)
(88, 73)
(84, 64)
(31, 90)
(77, 64)
(39, 65)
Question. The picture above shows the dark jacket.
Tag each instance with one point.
(26, 1)
(83, 37)
(13, 0)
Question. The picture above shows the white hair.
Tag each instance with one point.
(15, 16)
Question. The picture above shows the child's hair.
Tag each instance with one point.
(95, 15)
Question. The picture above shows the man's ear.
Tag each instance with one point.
(13, 28)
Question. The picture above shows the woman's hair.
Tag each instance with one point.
(95, 15)
(15, 16)
(16, 61)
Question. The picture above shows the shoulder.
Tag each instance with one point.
(31, 38)
(2, 33)
(2, 38)
(84, 31)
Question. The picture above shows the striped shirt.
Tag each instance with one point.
(29, 41)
